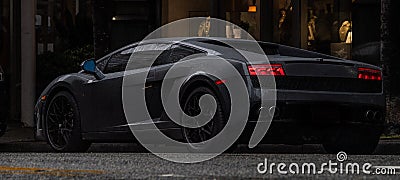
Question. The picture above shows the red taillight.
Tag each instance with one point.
(219, 82)
(266, 70)
(369, 74)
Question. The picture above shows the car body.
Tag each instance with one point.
(3, 125)
(320, 99)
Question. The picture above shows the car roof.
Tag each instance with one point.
(220, 46)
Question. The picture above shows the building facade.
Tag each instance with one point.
(350, 29)
(345, 28)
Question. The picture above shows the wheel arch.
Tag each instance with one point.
(54, 90)
(206, 80)
(61, 86)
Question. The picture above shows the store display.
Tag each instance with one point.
(344, 31)
(204, 28)
(342, 50)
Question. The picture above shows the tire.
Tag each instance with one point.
(62, 124)
(212, 128)
(3, 128)
(352, 140)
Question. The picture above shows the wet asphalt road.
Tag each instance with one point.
(116, 161)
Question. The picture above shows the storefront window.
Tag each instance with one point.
(329, 27)
(284, 22)
(323, 26)
(4, 32)
(244, 14)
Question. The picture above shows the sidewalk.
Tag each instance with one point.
(20, 139)
(16, 133)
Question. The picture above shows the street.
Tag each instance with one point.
(23, 157)
(123, 161)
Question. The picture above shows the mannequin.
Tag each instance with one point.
(282, 16)
(311, 26)
(204, 28)
(345, 31)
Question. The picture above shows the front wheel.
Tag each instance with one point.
(62, 124)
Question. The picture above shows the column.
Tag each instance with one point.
(28, 61)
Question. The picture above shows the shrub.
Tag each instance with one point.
(52, 64)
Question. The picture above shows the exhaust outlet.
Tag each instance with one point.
(274, 111)
(370, 115)
(377, 116)
(262, 111)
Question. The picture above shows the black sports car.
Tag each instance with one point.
(320, 99)
(3, 106)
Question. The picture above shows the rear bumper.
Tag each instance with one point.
(373, 99)
(301, 117)
(322, 107)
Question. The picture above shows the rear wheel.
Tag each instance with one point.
(352, 140)
(212, 128)
(62, 124)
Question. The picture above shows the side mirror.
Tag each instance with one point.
(89, 66)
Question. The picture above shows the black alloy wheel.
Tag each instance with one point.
(62, 124)
(191, 107)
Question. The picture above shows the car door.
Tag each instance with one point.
(105, 96)
(174, 54)
(150, 55)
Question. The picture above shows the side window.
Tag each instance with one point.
(179, 52)
(118, 61)
(145, 54)
(101, 64)
(163, 57)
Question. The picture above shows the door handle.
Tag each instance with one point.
(148, 86)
